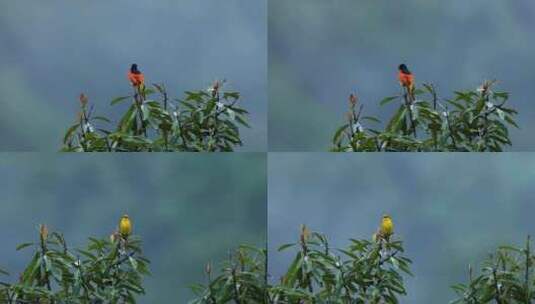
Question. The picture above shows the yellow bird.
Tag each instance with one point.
(387, 227)
(125, 226)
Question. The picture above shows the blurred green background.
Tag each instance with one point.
(321, 51)
(188, 209)
(54, 50)
(451, 210)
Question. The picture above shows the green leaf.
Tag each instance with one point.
(285, 246)
(238, 110)
(338, 134)
(145, 112)
(119, 99)
(70, 132)
(371, 118)
(23, 245)
(101, 118)
(133, 262)
(501, 114)
(242, 121)
(511, 121)
(127, 120)
(502, 95)
(459, 106)
(209, 107)
(295, 266)
(417, 92)
(397, 119)
(388, 100)
(233, 95)
(195, 96)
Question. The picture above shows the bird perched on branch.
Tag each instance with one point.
(386, 229)
(125, 226)
(406, 80)
(136, 77)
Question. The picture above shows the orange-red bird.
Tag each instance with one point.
(406, 79)
(135, 76)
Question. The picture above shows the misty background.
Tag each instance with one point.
(321, 51)
(187, 209)
(450, 210)
(52, 51)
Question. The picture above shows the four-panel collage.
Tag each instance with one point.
(285, 87)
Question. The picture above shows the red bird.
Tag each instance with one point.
(406, 79)
(136, 77)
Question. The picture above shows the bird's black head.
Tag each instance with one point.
(134, 69)
(403, 68)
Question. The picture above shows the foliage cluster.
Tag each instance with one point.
(367, 271)
(506, 276)
(203, 121)
(475, 120)
(364, 272)
(106, 271)
(241, 279)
